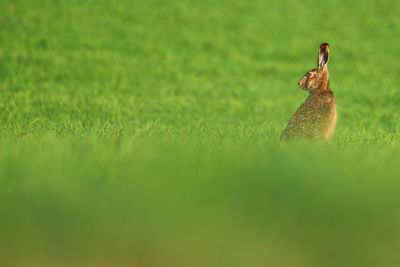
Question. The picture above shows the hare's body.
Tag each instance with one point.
(316, 118)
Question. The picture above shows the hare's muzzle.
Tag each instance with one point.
(303, 83)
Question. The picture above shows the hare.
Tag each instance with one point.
(316, 118)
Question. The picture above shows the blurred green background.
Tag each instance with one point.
(146, 133)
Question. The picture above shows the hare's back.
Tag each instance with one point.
(315, 118)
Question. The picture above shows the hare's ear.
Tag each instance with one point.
(323, 55)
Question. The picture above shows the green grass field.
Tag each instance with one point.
(146, 133)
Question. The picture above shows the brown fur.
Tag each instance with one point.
(316, 118)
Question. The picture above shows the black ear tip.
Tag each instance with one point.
(324, 45)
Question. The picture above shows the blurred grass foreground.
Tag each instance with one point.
(146, 133)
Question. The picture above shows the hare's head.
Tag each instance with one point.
(317, 78)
